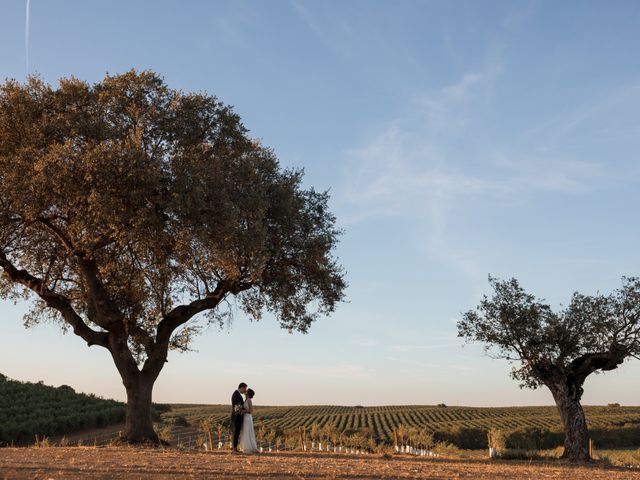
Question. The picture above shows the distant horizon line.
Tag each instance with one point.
(435, 405)
(364, 405)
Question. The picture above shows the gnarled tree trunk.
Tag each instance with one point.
(567, 395)
(139, 422)
(139, 386)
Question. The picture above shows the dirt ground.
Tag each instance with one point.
(139, 463)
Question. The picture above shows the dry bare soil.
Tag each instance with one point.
(139, 463)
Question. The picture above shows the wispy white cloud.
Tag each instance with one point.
(397, 171)
(27, 33)
(329, 27)
(593, 109)
(366, 342)
(413, 169)
(463, 367)
(410, 164)
(231, 24)
(518, 172)
(306, 16)
(439, 106)
(518, 15)
(409, 348)
(340, 371)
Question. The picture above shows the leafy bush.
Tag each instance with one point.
(620, 458)
(463, 437)
(531, 438)
(447, 449)
(179, 421)
(164, 432)
(519, 455)
(497, 439)
(624, 437)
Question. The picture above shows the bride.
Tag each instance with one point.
(247, 441)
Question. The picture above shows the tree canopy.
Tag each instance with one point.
(127, 208)
(594, 333)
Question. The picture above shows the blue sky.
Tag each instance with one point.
(458, 139)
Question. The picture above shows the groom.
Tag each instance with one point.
(236, 417)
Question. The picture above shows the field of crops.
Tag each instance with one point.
(27, 409)
(379, 422)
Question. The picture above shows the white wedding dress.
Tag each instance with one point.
(247, 441)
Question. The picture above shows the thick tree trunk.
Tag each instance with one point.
(139, 386)
(576, 442)
(139, 423)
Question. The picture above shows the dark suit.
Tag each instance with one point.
(236, 418)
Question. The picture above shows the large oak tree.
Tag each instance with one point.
(558, 349)
(128, 208)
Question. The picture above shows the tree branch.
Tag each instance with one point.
(57, 232)
(54, 300)
(183, 313)
(143, 337)
(98, 297)
(588, 363)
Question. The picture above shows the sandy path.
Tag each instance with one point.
(137, 463)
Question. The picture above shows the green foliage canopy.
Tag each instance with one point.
(593, 333)
(128, 208)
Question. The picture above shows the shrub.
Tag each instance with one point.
(620, 458)
(463, 437)
(497, 439)
(530, 438)
(179, 421)
(164, 433)
(445, 448)
(158, 409)
(627, 436)
(520, 455)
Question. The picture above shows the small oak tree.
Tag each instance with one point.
(128, 208)
(558, 349)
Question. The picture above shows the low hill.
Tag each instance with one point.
(27, 409)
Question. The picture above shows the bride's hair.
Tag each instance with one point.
(250, 393)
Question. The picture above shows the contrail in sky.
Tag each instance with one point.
(26, 36)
